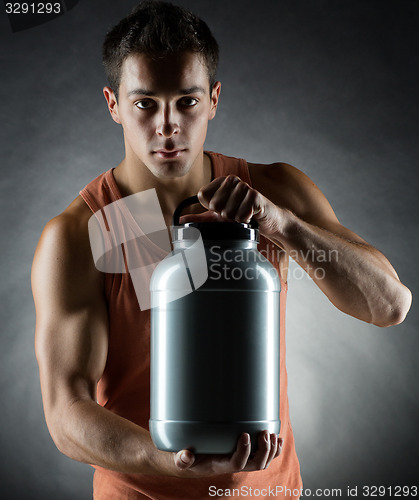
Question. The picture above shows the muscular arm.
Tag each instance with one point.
(71, 349)
(354, 275)
(294, 214)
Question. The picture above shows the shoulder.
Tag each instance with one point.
(282, 181)
(63, 249)
(290, 188)
(71, 226)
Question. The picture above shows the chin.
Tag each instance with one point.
(171, 170)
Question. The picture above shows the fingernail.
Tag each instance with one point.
(267, 437)
(246, 439)
(184, 457)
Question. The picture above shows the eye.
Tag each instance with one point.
(188, 101)
(145, 104)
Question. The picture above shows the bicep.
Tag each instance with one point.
(290, 188)
(314, 208)
(71, 318)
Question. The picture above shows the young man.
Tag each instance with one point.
(92, 339)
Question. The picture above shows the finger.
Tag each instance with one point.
(280, 446)
(204, 217)
(184, 459)
(219, 197)
(223, 194)
(235, 200)
(240, 457)
(262, 453)
(207, 192)
(274, 448)
(248, 206)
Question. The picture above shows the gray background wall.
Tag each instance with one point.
(328, 86)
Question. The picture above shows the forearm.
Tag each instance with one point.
(355, 277)
(92, 434)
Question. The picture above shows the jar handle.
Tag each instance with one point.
(191, 201)
(185, 203)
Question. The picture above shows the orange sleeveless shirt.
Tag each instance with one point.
(124, 387)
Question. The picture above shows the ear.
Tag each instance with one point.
(112, 103)
(214, 99)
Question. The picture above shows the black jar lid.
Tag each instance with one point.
(217, 231)
(212, 230)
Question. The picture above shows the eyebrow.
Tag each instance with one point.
(150, 93)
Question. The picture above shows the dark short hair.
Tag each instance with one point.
(157, 29)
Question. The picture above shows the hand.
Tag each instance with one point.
(231, 199)
(269, 447)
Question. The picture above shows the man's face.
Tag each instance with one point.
(164, 107)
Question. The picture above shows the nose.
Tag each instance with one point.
(168, 122)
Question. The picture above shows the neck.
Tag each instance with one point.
(132, 177)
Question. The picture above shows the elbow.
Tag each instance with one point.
(56, 417)
(63, 441)
(397, 311)
(56, 433)
(60, 443)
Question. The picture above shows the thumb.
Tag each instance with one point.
(184, 459)
(202, 217)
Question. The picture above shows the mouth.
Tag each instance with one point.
(166, 154)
